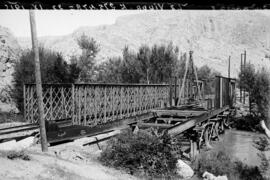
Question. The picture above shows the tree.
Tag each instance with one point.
(53, 67)
(163, 62)
(74, 70)
(143, 56)
(110, 71)
(130, 68)
(208, 75)
(261, 94)
(246, 81)
(86, 63)
(257, 84)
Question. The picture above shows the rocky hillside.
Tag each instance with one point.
(212, 35)
(9, 53)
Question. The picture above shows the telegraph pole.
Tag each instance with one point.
(43, 136)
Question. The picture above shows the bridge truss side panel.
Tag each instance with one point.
(93, 104)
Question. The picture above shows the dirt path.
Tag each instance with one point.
(50, 167)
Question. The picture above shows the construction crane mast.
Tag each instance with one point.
(190, 98)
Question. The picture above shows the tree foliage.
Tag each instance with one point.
(258, 86)
(86, 62)
(149, 65)
(261, 93)
(53, 67)
(110, 71)
(208, 75)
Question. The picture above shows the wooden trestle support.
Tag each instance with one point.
(191, 129)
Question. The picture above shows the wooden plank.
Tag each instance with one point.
(15, 127)
(172, 119)
(222, 115)
(19, 129)
(154, 125)
(215, 119)
(179, 128)
(179, 113)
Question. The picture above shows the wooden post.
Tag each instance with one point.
(229, 67)
(241, 66)
(121, 102)
(105, 104)
(221, 92)
(175, 89)
(51, 104)
(24, 103)
(38, 82)
(170, 94)
(193, 150)
(79, 105)
(84, 109)
(73, 104)
(64, 102)
(147, 75)
(244, 95)
(32, 104)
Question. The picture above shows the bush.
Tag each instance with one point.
(218, 162)
(141, 152)
(247, 123)
(12, 155)
(263, 145)
(245, 172)
(18, 155)
(215, 162)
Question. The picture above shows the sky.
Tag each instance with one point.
(57, 22)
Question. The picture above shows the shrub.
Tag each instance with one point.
(263, 145)
(218, 162)
(247, 123)
(245, 172)
(140, 152)
(16, 155)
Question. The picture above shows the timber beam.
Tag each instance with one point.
(177, 113)
(154, 125)
(179, 128)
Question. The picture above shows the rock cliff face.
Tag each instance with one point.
(212, 35)
(9, 53)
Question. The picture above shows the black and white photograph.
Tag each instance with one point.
(134, 94)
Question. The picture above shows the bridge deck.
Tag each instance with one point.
(178, 120)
